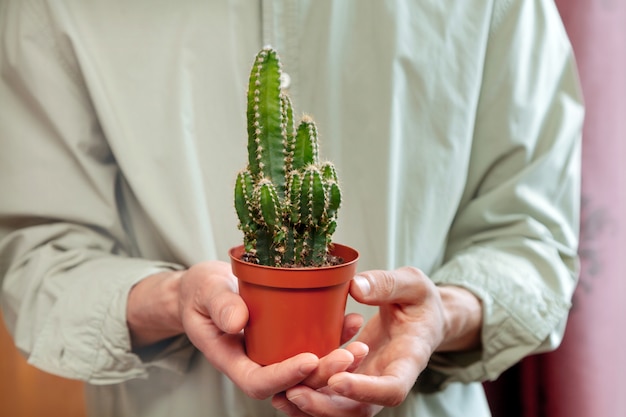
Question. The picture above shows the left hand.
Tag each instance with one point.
(411, 324)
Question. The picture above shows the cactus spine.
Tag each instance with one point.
(286, 200)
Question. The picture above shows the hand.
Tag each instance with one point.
(415, 318)
(203, 303)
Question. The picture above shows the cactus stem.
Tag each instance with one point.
(286, 200)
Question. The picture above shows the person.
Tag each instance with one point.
(455, 128)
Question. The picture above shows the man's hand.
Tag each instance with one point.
(415, 318)
(213, 316)
(203, 303)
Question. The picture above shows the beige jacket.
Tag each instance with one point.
(454, 125)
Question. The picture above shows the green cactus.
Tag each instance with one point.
(286, 200)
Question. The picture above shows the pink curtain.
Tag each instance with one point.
(586, 376)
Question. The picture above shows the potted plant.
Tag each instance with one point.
(291, 275)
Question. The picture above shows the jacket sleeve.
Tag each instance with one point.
(65, 269)
(514, 239)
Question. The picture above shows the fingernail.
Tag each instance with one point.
(363, 284)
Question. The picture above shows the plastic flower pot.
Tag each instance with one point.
(293, 310)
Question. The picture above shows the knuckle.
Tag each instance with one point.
(396, 399)
(256, 393)
(386, 283)
(413, 271)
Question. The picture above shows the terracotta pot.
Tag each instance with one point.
(293, 310)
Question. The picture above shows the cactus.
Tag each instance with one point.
(286, 200)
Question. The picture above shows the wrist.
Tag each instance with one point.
(463, 319)
(152, 312)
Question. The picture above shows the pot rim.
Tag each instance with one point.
(302, 277)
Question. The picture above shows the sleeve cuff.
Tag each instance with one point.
(520, 312)
(86, 336)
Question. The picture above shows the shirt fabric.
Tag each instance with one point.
(454, 126)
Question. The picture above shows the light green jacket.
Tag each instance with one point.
(454, 126)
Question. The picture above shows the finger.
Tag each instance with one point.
(205, 335)
(227, 354)
(339, 360)
(386, 390)
(261, 382)
(360, 351)
(229, 312)
(406, 285)
(336, 361)
(351, 326)
(206, 289)
(216, 295)
(281, 403)
(326, 403)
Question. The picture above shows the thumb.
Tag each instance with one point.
(403, 286)
(360, 288)
(229, 312)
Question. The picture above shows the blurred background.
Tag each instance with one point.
(584, 377)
